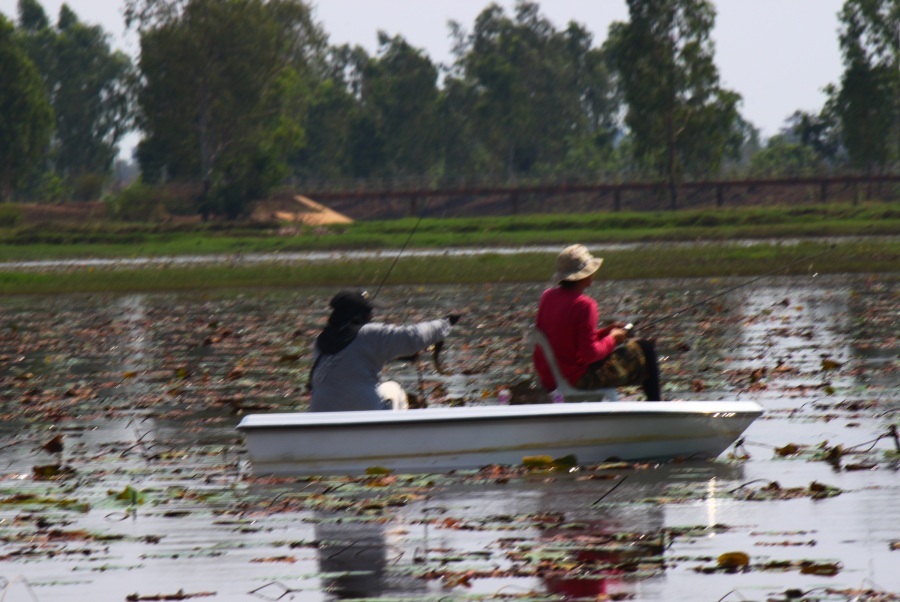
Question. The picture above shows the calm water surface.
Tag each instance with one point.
(151, 495)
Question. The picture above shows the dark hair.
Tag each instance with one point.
(350, 307)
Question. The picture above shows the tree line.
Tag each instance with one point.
(234, 97)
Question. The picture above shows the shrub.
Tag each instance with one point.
(88, 187)
(138, 202)
(10, 215)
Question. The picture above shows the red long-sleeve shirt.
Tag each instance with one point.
(569, 319)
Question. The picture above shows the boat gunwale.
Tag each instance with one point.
(384, 419)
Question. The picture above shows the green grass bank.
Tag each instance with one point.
(658, 260)
(722, 242)
(106, 239)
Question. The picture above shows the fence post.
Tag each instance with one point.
(720, 195)
(823, 191)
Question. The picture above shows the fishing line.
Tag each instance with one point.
(439, 345)
(402, 250)
(634, 327)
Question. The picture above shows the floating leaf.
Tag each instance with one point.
(129, 494)
(378, 470)
(567, 461)
(54, 445)
(790, 449)
(51, 471)
(289, 559)
(179, 595)
(733, 560)
(833, 455)
(537, 461)
(825, 569)
(820, 490)
(830, 364)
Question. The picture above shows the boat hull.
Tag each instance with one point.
(442, 439)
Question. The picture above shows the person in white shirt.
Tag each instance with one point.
(350, 352)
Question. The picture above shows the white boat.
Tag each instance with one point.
(442, 439)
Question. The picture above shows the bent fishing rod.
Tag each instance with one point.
(631, 328)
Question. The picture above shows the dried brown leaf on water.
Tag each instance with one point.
(864, 595)
(833, 455)
(829, 364)
(235, 373)
(179, 595)
(861, 466)
(774, 491)
(732, 562)
(791, 449)
(52, 471)
(54, 445)
(272, 559)
(825, 569)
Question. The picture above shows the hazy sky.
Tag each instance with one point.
(778, 54)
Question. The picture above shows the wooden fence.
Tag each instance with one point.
(391, 200)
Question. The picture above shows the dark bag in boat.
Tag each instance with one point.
(625, 366)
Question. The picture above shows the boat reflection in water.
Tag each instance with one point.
(352, 557)
(577, 535)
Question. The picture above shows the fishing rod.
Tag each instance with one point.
(633, 327)
(437, 347)
(402, 250)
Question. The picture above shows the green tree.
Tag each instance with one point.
(783, 156)
(37, 36)
(226, 89)
(88, 85)
(26, 117)
(868, 98)
(333, 109)
(819, 132)
(534, 97)
(92, 99)
(399, 97)
(680, 119)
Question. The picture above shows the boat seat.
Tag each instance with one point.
(563, 388)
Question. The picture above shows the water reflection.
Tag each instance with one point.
(352, 556)
(584, 534)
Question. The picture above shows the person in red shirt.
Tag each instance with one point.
(589, 357)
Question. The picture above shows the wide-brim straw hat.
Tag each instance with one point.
(575, 263)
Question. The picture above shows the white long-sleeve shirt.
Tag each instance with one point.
(347, 380)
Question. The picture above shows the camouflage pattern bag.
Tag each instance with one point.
(623, 367)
